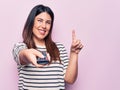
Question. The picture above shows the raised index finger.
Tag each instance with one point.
(73, 36)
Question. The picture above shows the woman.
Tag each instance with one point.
(58, 68)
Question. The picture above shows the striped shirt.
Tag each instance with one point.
(49, 77)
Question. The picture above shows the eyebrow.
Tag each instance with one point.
(42, 19)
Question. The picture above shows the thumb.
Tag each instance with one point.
(38, 53)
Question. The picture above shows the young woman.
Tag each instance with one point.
(42, 63)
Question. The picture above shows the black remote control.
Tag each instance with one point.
(43, 60)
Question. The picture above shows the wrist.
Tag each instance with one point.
(73, 54)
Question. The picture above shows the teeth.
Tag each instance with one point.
(42, 31)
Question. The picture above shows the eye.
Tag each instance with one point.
(48, 22)
(40, 20)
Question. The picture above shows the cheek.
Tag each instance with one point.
(34, 30)
(47, 32)
(48, 27)
(36, 25)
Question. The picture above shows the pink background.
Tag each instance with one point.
(97, 25)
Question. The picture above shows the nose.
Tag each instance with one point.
(43, 25)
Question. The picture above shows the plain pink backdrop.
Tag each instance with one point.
(97, 25)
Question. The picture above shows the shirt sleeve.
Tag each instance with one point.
(63, 56)
(16, 49)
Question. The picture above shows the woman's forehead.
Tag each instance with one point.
(43, 15)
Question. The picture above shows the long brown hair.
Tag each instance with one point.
(28, 34)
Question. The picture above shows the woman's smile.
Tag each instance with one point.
(42, 32)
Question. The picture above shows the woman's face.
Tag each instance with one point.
(41, 27)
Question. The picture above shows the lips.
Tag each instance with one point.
(42, 32)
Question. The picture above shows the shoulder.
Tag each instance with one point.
(59, 45)
(20, 44)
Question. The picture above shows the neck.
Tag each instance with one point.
(39, 42)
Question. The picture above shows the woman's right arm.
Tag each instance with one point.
(24, 56)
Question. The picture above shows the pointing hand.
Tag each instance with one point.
(76, 44)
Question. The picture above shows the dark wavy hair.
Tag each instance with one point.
(28, 32)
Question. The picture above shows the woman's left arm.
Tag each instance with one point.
(72, 69)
